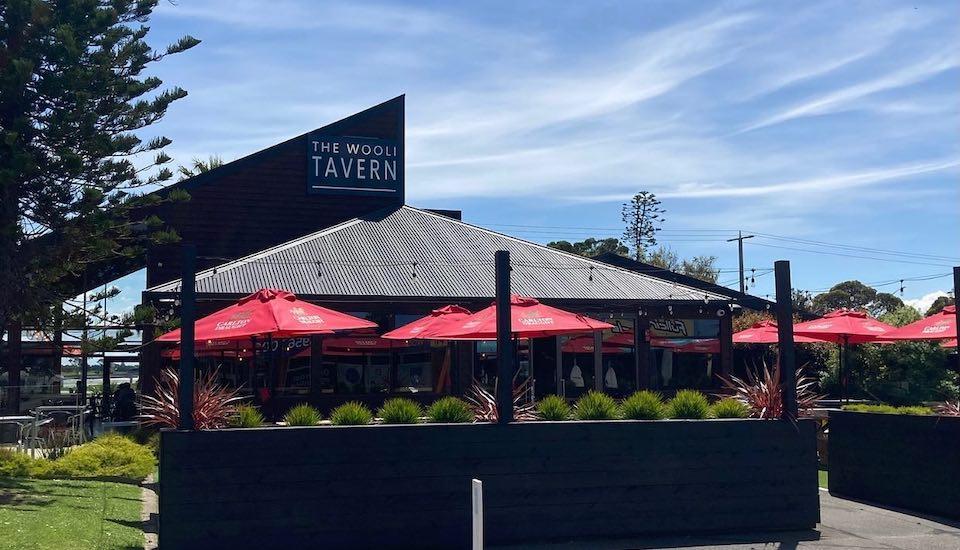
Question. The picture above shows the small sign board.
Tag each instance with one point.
(352, 165)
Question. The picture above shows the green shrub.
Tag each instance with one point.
(302, 415)
(247, 416)
(595, 405)
(352, 413)
(400, 410)
(450, 410)
(689, 404)
(16, 464)
(730, 408)
(553, 407)
(644, 405)
(888, 409)
(109, 455)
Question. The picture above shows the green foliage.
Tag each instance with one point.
(79, 94)
(689, 404)
(553, 407)
(901, 316)
(938, 305)
(109, 455)
(905, 373)
(595, 405)
(888, 409)
(644, 405)
(17, 464)
(642, 217)
(400, 410)
(450, 410)
(352, 413)
(302, 415)
(247, 416)
(730, 408)
(591, 247)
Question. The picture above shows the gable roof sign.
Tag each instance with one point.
(406, 252)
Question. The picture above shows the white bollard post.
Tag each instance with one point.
(477, 491)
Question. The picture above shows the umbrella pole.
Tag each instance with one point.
(840, 370)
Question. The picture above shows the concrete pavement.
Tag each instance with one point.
(844, 524)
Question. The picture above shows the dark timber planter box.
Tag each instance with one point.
(409, 486)
(905, 461)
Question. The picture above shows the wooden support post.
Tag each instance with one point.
(642, 348)
(787, 356)
(956, 299)
(14, 362)
(505, 351)
(726, 345)
(105, 397)
(188, 316)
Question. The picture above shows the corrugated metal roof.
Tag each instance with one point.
(412, 253)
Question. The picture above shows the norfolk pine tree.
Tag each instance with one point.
(74, 98)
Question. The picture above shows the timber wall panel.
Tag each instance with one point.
(409, 486)
(905, 461)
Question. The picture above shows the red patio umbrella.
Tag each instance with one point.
(950, 344)
(528, 319)
(438, 320)
(935, 327)
(765, 332)
(844, 327)
(688, 345)
(270, 312)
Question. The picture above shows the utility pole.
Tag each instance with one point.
(739, 239)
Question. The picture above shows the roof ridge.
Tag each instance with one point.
(557, 251)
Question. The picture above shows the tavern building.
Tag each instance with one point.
(323, 215)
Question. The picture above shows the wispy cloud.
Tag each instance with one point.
(847, 97)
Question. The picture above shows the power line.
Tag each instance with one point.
(899, 261)
(856, 248)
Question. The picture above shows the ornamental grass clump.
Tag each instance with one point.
(352, 413)
(302, 415)
(595, 405)
(247, 416)
(916, 410)
(450, 410)
(730, 408)
(400, 410)
(948, 408)
(553, 407)
(644, 405)
(689, 404)
(214, 404)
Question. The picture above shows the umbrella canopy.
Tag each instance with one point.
(950, 344)
(935, 327)
(438, 320)
(528, 319)
(765, 332)
(620, 342)
(270, 312)
(844, 326)
(688, 345)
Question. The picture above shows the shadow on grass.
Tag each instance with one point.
(23, 494)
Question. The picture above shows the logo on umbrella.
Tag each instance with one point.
(303, 318)
(533, 318)
(239, 319)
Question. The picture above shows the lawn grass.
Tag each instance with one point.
(822, 475)
(69, 515)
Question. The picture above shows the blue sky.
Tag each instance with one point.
(834, 122)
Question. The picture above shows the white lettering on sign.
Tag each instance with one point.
(347, 164)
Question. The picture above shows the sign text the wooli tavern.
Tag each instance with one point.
(353, 165)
